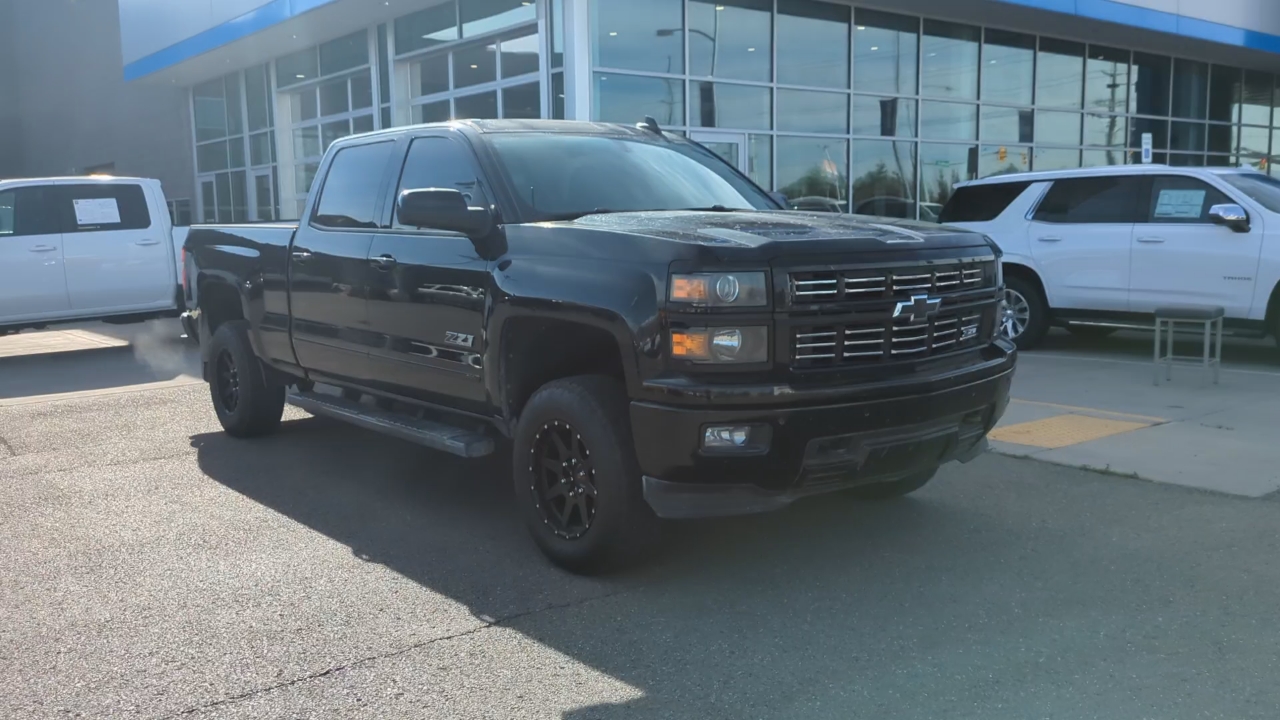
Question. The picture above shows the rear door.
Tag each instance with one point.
(1080, 236)
(119, 255)
(1181, 258)
(33, 284)
(329, 264)
(428, 288)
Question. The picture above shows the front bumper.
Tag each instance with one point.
(814, 448)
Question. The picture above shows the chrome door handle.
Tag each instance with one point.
(1150, 240)
(145, 243)
(383, 262)
(43, 248)
(301, 255)
(1049, 238)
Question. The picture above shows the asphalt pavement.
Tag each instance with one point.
(151, 567)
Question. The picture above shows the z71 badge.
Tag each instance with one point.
(460, 340)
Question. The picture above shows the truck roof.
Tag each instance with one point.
(493, 127)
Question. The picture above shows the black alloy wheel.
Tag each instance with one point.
(563, 480)
(227, 377)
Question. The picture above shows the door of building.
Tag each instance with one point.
(730, 146)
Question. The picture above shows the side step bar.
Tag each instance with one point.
(437, 436)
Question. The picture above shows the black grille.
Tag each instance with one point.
(901, 339)
(857, 285)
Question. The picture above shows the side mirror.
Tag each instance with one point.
(781, 200)
(442, 209)
(1230, 215)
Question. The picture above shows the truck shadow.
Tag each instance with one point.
(731, 597)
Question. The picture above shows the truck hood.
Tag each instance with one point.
(790, 231)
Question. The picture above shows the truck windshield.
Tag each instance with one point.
(560, 177)
(1260, 188)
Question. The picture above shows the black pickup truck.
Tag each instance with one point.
(648, 333)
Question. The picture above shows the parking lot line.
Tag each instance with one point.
(1062, 431)
(1095, 411)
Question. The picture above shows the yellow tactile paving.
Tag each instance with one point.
(1063, 430)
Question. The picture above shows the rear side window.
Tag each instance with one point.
(27, 211)
(1095, 200)
(102, 207)
(353, 186)
(1181, 199)
(981, 203)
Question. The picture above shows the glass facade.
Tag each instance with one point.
(838, 106)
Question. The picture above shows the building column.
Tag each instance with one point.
(577, 59)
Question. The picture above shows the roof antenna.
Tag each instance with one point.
(650, 124)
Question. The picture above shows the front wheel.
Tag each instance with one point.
(1026, 314)
(577, 481)
(247, 403)
(895, 489)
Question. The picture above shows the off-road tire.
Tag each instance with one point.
(258, 402)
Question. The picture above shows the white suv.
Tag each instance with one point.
(1112, 244)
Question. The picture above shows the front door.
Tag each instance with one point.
(1181, 258)
(730, 146)
(33, 283)
(1080, 237)
(428, 290)
(118, 257)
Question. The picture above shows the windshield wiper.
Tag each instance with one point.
(716, 208)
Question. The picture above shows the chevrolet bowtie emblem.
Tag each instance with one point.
(919, 307)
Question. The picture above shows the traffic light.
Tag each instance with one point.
(1003, 155)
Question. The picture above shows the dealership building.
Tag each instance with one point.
(878, 106)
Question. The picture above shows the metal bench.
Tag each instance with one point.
(1210, 318)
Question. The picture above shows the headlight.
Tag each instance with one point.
(725, 346)
(745, 289)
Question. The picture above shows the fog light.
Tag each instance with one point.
(726, 437)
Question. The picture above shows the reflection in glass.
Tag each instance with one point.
(1058, 128)
(211, 157)
(950, 65)
(1187, 136)
(482, 16)
(760, 160)
(814, 168)
(731, 39)
(1106, 80)
(948, 121)
(813, 111)
(210, 110)
(884, 178)
(1220, 161)
(235, 146)
(1221, 139)
(345, 53)
(306, 142)
(1059, 73)
(1003, 160)
(1055, 159)
(427, 28)
(941, 167)
(257, 88)
(297, 67)
(1009, 125)
(555, 24)
(522, 102)
(261, 149)
(1008, 67)
(1102, 158)
(1104, 130)
(1254, 141)
(723, 105)
(1255, 98)
(519, 56)
(638, 36)
(333, 98)
(1224, 93)
(1186, 160)
(361, 124)
(1150, 78)
(628, 99)
(475, 65)
(481, 106)
(813, 43)
(431, 112)
(332, 131)
(557, 95)
(361, 92)
(430, 75)
(304, 175)
(1190, 89)
(884, 117)
(1159, 130)
(885, 52)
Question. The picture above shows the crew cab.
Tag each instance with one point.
(646, 331)
(1102, 248)
(86, 248)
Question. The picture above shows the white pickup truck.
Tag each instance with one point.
(87, 248)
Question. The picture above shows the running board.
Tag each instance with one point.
(437, 436)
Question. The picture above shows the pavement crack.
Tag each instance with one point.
(6, 450)
(485, 624)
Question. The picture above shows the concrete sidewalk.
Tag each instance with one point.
(1102, 411)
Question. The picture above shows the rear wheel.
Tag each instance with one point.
(577, 481)
(1026, 315)
(247, 403)
(895, 489)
